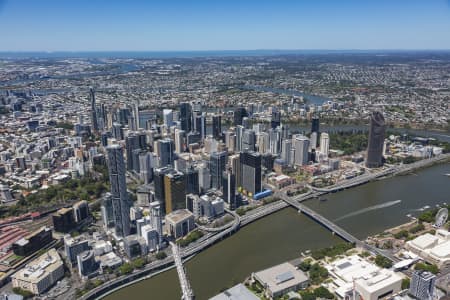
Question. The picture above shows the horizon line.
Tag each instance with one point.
(228, 50)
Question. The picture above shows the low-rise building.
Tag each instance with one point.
(237, 292)
(281, 279)
(40, 274)
(179, 223)
(434, 249)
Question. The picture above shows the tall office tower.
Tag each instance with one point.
(248, 140)
(274, 141)
(145, 167)
(275, 119)
(124, 114)
(376, 140)
(179, 141)
(136, 114)
(132, 123)
(284, 131)
(165, 150)
(422, 285)
(142, 138)
(315, 124)
(156, 218)
(246, 122)
(217, 163)
(168, 117)
(131, 144)
(301, 145)
(158, 179)
(186, 116)
(192, 181)
(262, 140)
(175, 191)
(286, 149)
(251, 172)
(94, 119)
(239, 134)
(204, 178)
(120, 202)
(200, 124)
(313, 141)
(80, 211)
(236, 169)
(217, 126)
(230, 140)
(107, 211)
(239, 114)
(117, 131)
(229, 189)
(324, 143)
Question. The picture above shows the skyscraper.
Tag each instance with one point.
(165, 150)
(131, 144)
(422, 285)
(94, 119)
(301, 145)
(229, 189)
(286, 151)
(179, 140)
(248, 140)
(175, 191)
(324, 143)
(168, 117)
(186, 116)
(120, 202)
(251, 172)
(376, 140)
(217, 126)
(315, 124)
(218, 160)
(239, 114)
(200, 124)
(275, 119)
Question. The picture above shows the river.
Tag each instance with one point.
(363, 211)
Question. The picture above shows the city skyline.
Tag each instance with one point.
(204, 26)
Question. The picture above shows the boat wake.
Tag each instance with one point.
(367, 209)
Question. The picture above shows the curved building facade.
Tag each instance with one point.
(376, 140)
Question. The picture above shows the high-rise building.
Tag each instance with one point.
(63, 220)
(217, 126)
(81, 211)
(156, 218)
(239, 135)
(275, 119)
(239, 114)
(248, 140)
(166, 148)
(229, 189)
(236, 168)
(107, 211)
(200, 124)
(376, 140)
(313, 141)
(158, 179)
(179, 141)
(131, 144)
(192, 182)
(422, 285)
(186, 116)
(251, 172)
(286, 148)
(315, 124)
(168, 117)
(175, 191)
(145, 167)
(94, 120)
(324, 143)
(218, 161)
(262, 140)
(301, 145)
(117, 131)
(275, 141)
(120, 201)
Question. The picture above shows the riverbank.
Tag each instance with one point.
(284, 222)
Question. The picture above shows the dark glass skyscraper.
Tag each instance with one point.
(120, 202)
(376, 140)
(186, 116)
(217, 126)
(315, 124)
(239, 114)
(131, 144)
(275, 119)
(251, 172)
(218, 160)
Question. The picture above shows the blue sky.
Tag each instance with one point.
(178, 25)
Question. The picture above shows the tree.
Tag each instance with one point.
(383, 262)
(322, 292)
(161, 255)
(405, 283)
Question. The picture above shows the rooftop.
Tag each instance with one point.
(40, 267)
(237, 292)
(281, 277)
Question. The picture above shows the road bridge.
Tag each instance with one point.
(187, 292)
